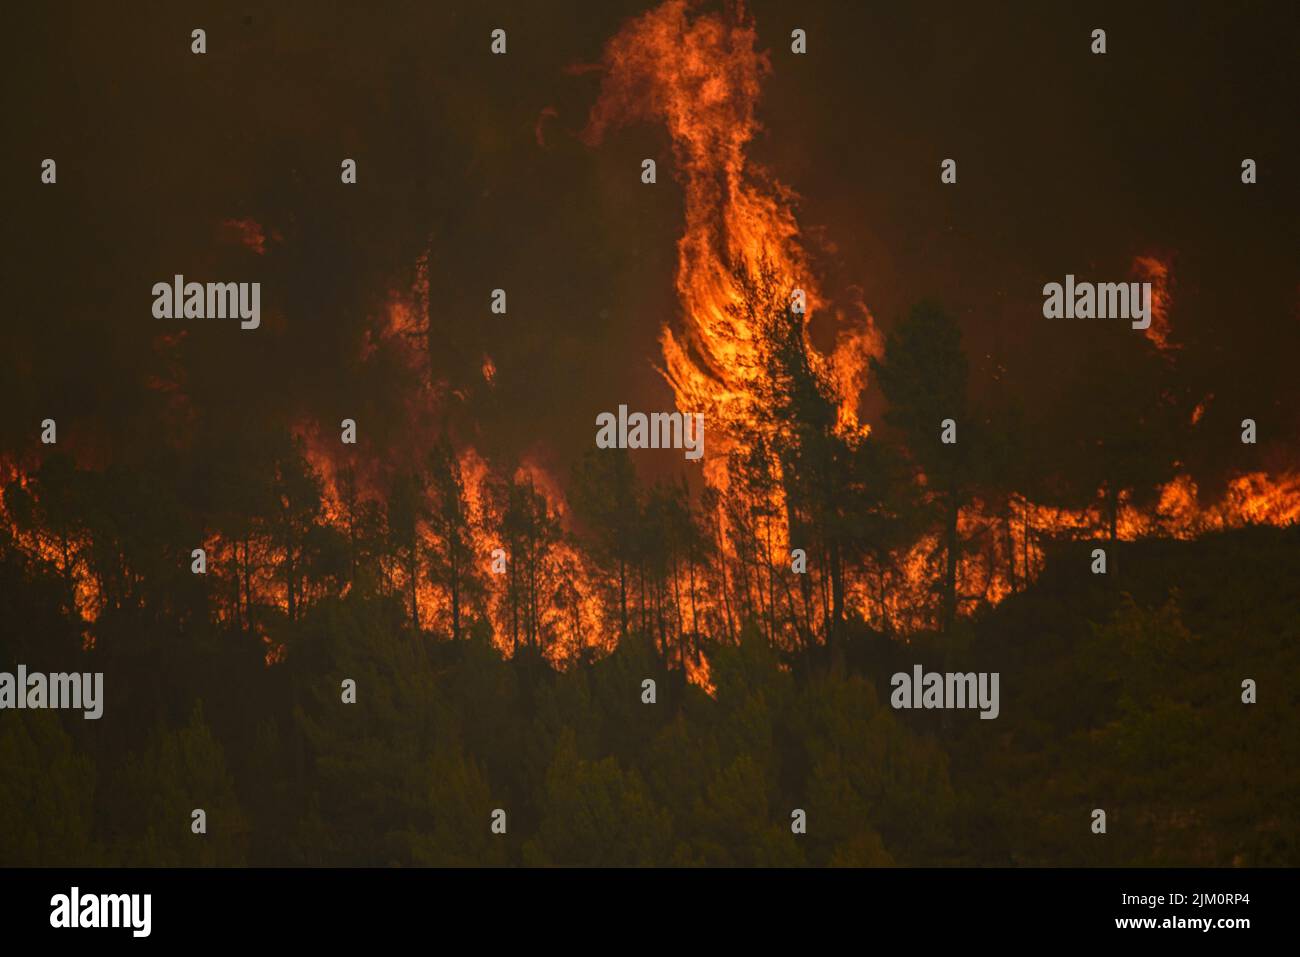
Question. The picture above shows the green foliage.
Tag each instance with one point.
(1140, 714)
(148, 807)
(459, 798)
(597, 814)
(47, 793)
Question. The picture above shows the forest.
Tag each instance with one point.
(367, 586)
(522, 688)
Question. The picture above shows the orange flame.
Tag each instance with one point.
(1155, 270)
(701, 76)
(247, 232)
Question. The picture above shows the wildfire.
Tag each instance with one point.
(63, 549)
(523, 570)
(701, 77)
(571, 617)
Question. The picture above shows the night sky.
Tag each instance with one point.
(1068, 162)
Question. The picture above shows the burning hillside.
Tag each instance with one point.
(804, 520)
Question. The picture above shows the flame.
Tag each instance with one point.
(1260, 499)
(1155, 270)
(701, 77)
(1009, 548)
(1199, 412)
(741, 264)
(539, 127)
(741, 261)
(64, 553)
(247, 232)
(576, 617)
(275, 653)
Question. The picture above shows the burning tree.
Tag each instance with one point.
(452, 564)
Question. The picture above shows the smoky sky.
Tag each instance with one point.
(1067, 163)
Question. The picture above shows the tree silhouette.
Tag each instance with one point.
(408, 510)
(604, 497)
(452, 559)
(923, 375)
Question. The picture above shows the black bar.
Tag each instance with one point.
(491, 906)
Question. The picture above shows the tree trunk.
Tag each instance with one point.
(413, 572)
(1112, 509)
(722, 567)
(950, 570)
(248, 586)
(622, 598)
(454, 556)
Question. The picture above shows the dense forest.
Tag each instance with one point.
(1127, 702)
(519, 683)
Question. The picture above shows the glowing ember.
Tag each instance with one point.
(247, 232)
(1155, 270)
